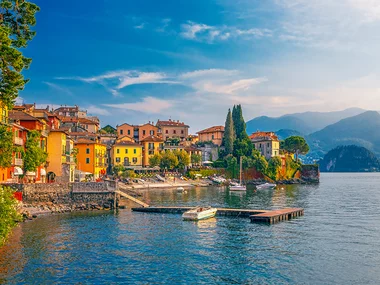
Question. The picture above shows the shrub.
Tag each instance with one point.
(8, 212)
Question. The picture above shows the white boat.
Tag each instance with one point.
(238, 186)
(199, 213)
(266, 186)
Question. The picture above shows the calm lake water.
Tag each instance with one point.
(336, 242)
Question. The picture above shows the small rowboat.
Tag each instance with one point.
(199, 213)
(266, 186)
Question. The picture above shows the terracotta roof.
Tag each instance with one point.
(123, 125)
(212, 130)
(84, 141)
(262, 136)
(67, 109)
(191, 148)
(127, 143)
(87, 121)
(22, 116)
(85, 134)
(152, 139)
(171, 123)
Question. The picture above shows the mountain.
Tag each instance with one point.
(361, 130)
(318, 120)
(283, 134)
(268, 124)
(349, 159)
(305, 123)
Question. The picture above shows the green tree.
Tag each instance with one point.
(229, 134)
(118, 170)
(108, 130)
(274, 165)
(169, 160)
(239, 123)
(259, 162)
(242, 147)
(232, 166)
(6, 146)
(196, 159)
(34, 154)
(8, 212)
(183, 159)
(16, 20)
(155, 160)
(296, 144)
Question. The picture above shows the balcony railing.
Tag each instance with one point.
(18, 162)
(18, 141)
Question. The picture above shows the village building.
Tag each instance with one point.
(213, 134)
(126, 153)
(137, 132)
(60, 161)
(267, 143)
(30, 122)
(172, 129)
(151, 145)
(91, 157)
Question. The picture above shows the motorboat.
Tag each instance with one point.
(199, 213)
(180, 189)
(266, 186)
(238, 186)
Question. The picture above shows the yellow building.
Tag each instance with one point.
(151, 146)
(126, 153)
(91, 157)
(60, 156)
(267, 143)
(3, 120)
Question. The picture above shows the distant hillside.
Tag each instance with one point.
(349, 159)
(361, 130)
(304, 123)
(318, 120)
(284, 134)
(268, 124)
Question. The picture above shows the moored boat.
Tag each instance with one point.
(238, 186)
(199, 213)
(266, 186)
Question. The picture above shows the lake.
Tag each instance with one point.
(336, 242)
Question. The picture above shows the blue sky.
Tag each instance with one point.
(138, 61)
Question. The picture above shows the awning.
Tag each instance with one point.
(43, 172)
(18, 171)
(30, 173)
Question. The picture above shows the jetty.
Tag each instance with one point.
(260, 216)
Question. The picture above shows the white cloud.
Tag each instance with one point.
(143, 78)
(208, 72)
(93, 110)
(140, 27)
(147, 105)
(205, 33)
(58, 88)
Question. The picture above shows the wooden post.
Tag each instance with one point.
(114, 201)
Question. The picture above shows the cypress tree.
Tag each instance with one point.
(228, 137)
(239, 123)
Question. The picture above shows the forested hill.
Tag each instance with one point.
(349, 159)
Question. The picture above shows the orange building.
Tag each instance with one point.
(214, 134)
(150, 146)
(125, 130)
(91, 157)
(137, 132)
(172, 129)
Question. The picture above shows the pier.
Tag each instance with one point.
(262, 216)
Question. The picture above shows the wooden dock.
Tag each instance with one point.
(275, 216)
(129, 197)
(266, 216)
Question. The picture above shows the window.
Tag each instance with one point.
(117, 159)
(166, 132)
(135, 160)
(267, 144)
(126, 150)
(182, 132)
(129, 132)
(174, 131)
(143, 132)
(87, 151)
(121, 132)
(212, 137)
(117, 151)
(134, 151)
(151, 133)
(87, 160)
(151, 146)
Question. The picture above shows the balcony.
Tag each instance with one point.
(69, 159)
(17, 161)
(18, 141)
(45, 133)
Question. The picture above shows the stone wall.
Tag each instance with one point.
(74, 195)
(310, 173)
